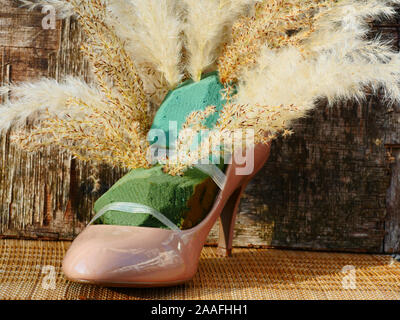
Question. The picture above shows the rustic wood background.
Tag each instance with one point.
(334, 185)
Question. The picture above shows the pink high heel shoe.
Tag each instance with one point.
(125, 256)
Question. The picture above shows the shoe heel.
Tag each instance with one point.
(227, 223)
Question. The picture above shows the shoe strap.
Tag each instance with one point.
(212, 170)
(131, 207)
(215, 173)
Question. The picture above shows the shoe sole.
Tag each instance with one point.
(130, 284)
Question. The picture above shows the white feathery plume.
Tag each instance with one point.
(346, 21)
(154, 84)
(44, 98)
(122, 19)
(152, 31)
(287, 78)
(204, 29)
(286, 82)
(336, 62)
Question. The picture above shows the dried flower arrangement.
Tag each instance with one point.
(275, 58)
(282, 54)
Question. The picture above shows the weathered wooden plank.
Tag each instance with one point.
(25, 63)
(28, 33)
(324, 188)
(32, 185)
(56, 193)
(392, 224)
(32, 189)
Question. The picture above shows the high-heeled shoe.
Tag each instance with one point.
(129, 256)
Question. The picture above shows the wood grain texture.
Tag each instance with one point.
(334, 185)
(392, 221)
(325, 187)
(47, 194)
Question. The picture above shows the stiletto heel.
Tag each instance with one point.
(227, 223)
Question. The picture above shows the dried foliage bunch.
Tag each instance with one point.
(276, 58)
(287, 56)
(274, 23)
(109, 126)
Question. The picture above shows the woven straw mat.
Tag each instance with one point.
(25, 268)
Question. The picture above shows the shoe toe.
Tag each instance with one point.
(126, 255)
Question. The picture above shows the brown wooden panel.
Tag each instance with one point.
(28, 33)
(46, 194)
(325, 187)
(392, 226)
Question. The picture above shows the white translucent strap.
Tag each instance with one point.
(214, 172)
(130, 207)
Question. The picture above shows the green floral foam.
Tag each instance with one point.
(173, 196)
(185, 200)
(185, 99)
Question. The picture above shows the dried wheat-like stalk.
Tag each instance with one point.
(184, 155)
(108, 124)
(286, 80)
(204, 30)
(155, 86)
(43, 98)
(282, 58)
(154, 36)
(94, 136)
(277, 23)
(115, 71)
(152, 40)
(337, 69)
(257, 124)
(141, 41)
(346, 22)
